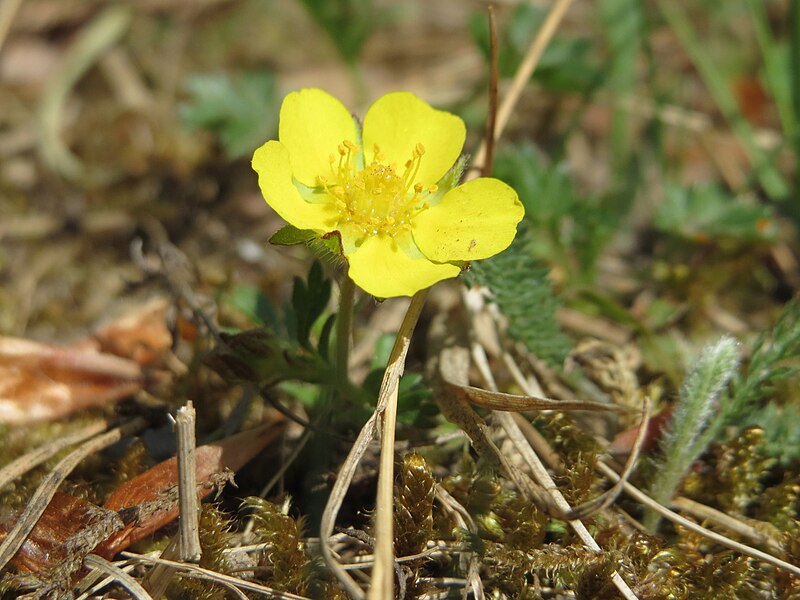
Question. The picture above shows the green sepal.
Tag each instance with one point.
(450, 180)
(289, 235)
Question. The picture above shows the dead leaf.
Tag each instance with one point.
(623, 443)
(44, 382)
(140, 334)
(69, 526)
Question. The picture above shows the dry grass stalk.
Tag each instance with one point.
(386, 408)
(37, 456)
(521, 78)
(543, 478)
(646, 500)
(190, 570)
(97, 563)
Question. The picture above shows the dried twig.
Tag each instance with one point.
(161, 575)
(491, 120)
(465, 521)
(543, 478)
(187, 484)
(721, 519)
(523, 74)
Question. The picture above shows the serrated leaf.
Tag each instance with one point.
(774, 359)
(309, 300)
(781, 433)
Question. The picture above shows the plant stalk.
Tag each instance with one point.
(344, 326)
(382, 584)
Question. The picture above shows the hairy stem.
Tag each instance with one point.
(685, 441)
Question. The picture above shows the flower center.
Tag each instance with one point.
(375, 199)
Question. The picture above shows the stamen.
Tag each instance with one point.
(377, 198)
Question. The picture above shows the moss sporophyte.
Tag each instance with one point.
(383, 189)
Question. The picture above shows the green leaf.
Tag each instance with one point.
(521, 289)
(707, 213)
(258, 307)
(323, 346)
(781, 433)
(259, 356)
(242, 110)
(348, 23)
(775, 358)
(309, 301)
(289, 235)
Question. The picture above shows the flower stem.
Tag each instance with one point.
(344, 325)
(382, 584)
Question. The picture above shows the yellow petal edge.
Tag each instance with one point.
(271, 162)
(312, 125)
(473, 221)
(398, 121)
(382, 269)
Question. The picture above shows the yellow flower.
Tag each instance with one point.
(375, 187)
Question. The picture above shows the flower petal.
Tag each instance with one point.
(381, 268)
(312, 125)
(271, 162)
(397, 122)
(473, 221)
